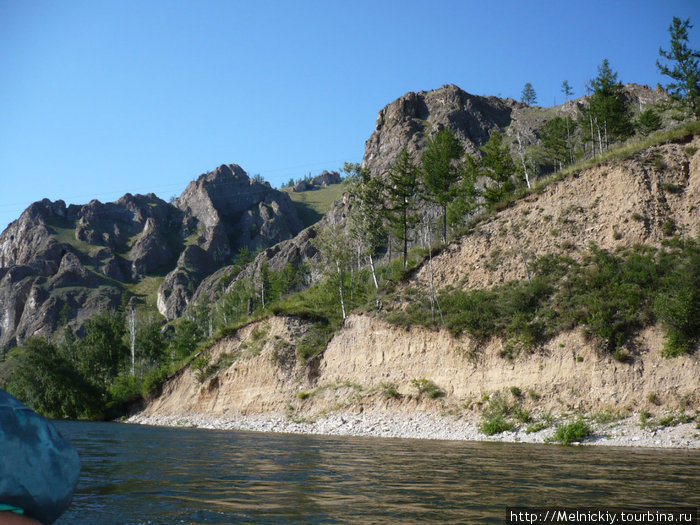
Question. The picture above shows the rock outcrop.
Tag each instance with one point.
(63, 263)
(224, 211)
(412, 118)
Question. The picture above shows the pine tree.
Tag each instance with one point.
(464, 203)
(685, 73)
(441, 171)
(528, 95)
(555, 140)
(607, 107)
(497, 164)
(402, 192)
(648, 122)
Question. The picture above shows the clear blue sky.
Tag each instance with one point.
(100, 98)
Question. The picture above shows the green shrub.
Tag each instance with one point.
(521, 414)
(536, 427)
(495, 425)
(572, 432)
(428, 388)
(199, 365)
(668, 227)
(644, 417)
(532, 394)
(389, 391)
(515, 391)
(314, 342)
(672, 188)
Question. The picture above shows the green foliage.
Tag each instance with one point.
(47, 381)
(186, 338)
(685, 70)
(441, 173)
(607, 111)
(611, 296)
(102, 352)
(648, 122)
(678, 304)
(668, 227)
(366, 216)
(572, 432)
(566, 89)
(403, 185)
(335, 250)
(528, 95)
(497, 164)
(149, 341)
(555, 136)
(465, 202)
(495, 425)
(314, 341)
(389, 391)
(427, 387)
(200, 364)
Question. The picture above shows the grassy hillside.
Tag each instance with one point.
(312, 205)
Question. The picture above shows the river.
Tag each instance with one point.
(151, 475)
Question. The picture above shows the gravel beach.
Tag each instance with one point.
(625, 432)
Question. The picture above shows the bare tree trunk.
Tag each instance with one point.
(522, 159)
(374, 278)
(405, 232)
(433, 297)
(132, 336)
(340, 288)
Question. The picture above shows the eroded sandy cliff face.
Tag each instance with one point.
(367, 355)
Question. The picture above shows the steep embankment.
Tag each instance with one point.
(370, 365)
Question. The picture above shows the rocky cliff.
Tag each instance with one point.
(223, 211)
(61, 264)
(412, 118)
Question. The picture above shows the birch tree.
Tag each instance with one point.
(366, 224)
(335, 249)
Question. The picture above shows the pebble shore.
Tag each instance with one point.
(626, 432)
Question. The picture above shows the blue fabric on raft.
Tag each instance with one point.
(39, 469)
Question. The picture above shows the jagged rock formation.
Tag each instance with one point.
(63, 263)
(412, 118)
(293, 252)
(224, 211)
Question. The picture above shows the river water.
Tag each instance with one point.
(146, 475)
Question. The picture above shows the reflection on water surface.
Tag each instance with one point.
(137, 474)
